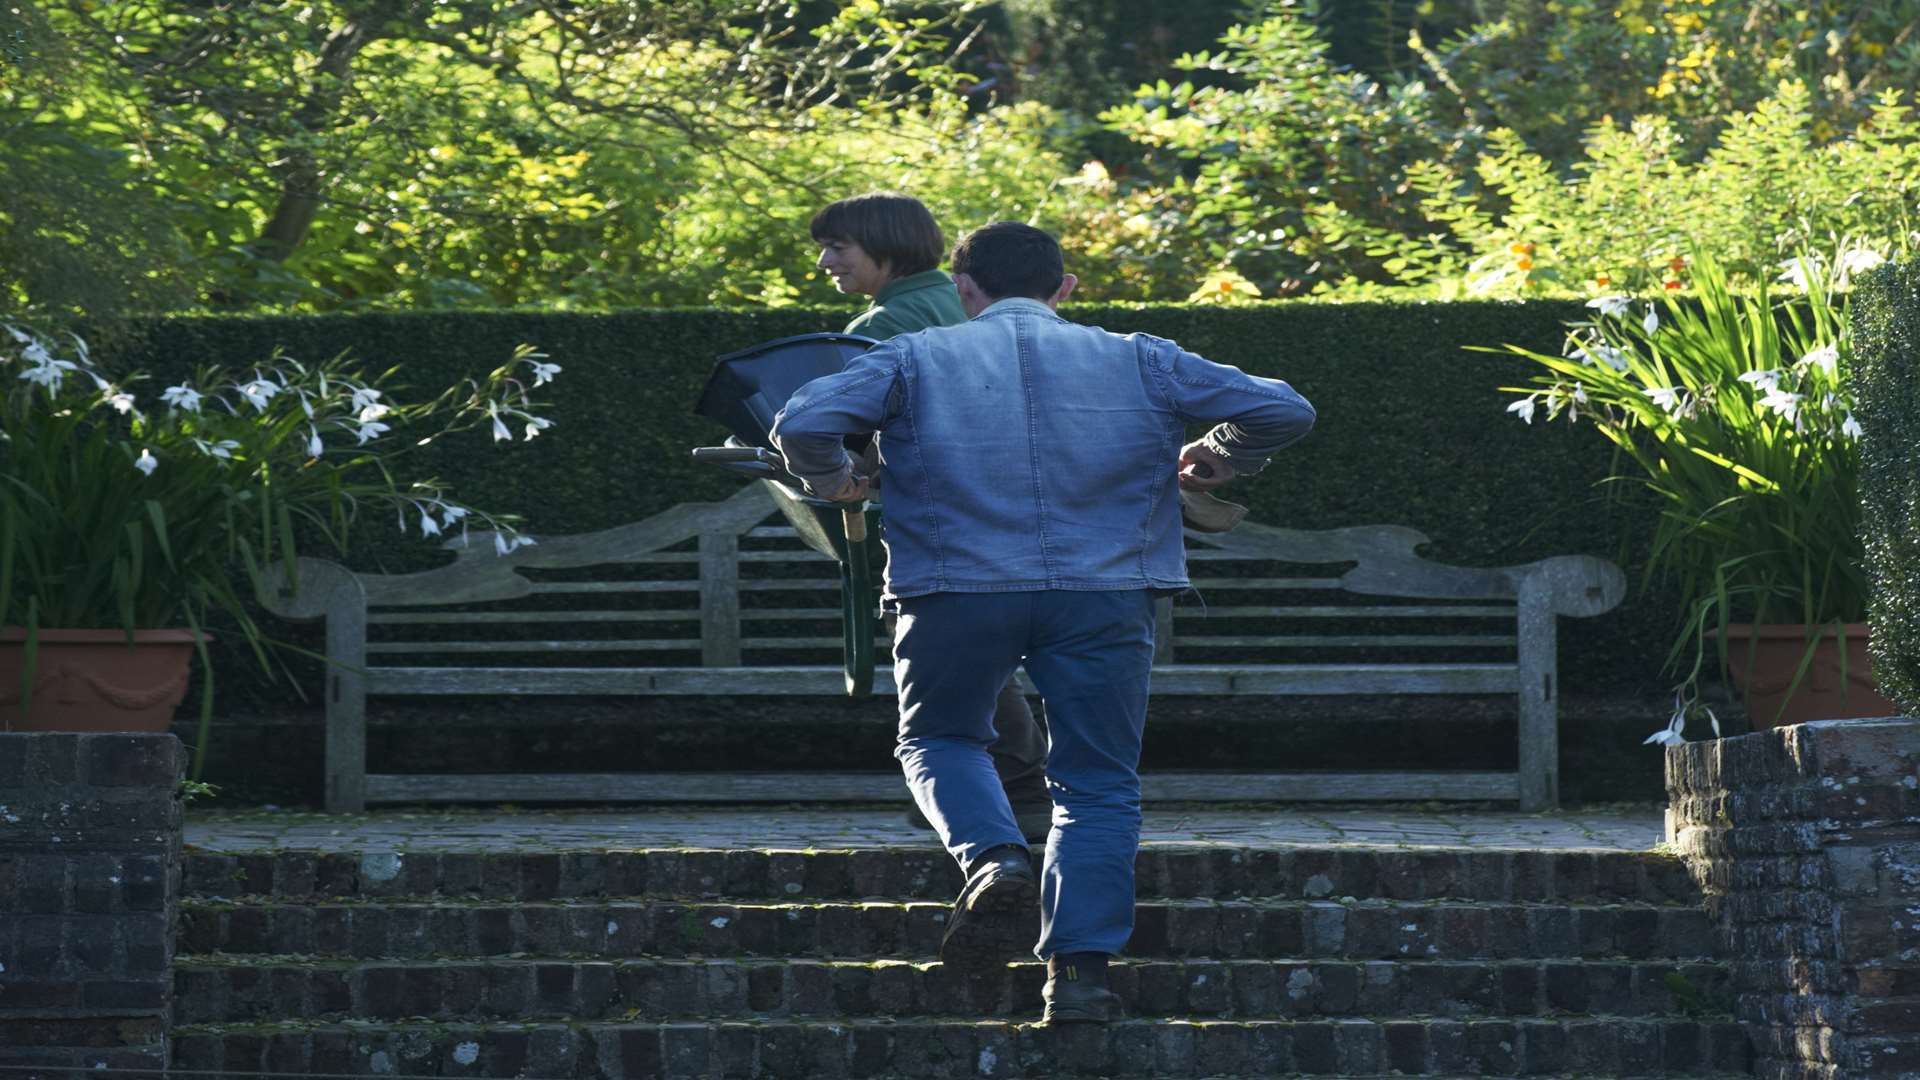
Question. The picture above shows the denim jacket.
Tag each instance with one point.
(1020, 451)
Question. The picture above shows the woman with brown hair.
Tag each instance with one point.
(887, 246)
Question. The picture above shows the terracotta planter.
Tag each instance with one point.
(1821, 695)
(92, 680)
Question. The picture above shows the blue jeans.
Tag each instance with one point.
(1090, 654)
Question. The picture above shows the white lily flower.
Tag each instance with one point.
(36, 353)
(222, 449)
(1826, 356)
(258, 392)
(373, 411)
(1858, 261)
(181, 397)
(1670, 735)
(19, 335)
(1614, 306)
(1851, 427)
(1781, 401)
(543, 373)
(1793, 272)
(505, 545)
(314, 446)
(100, 384)
(536, 424)
(49, 374)
(500, 431)
(1766, 379)
(428, 527)
(364, 397)
(1524, 408)
(1579, 394)
(370, 431)
(1667, 397)
(452, 513)
(1599, 352)
(122, 402)
(146, 462)
(1652, 321)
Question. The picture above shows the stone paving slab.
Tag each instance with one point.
(508, 829)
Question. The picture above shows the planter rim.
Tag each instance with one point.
(1786, 630)
(104, 637)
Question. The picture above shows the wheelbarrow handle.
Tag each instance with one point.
(748, 461)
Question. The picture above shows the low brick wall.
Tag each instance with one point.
(1806, 842)
(89, 876)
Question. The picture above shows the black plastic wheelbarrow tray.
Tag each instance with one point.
(744, 393)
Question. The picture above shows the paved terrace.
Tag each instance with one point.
(506, 829)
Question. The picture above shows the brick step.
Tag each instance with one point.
(940, 1048)
(1275, 929)
(238, 991)
(926, 873)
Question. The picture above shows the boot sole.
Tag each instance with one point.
(1100, 1011)
(1077, 1014)
(1001, 921)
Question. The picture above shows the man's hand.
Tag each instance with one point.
(854, 490)
(1201, 469)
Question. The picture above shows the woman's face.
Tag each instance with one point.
(852, 269)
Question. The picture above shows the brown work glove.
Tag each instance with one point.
(1206, 513)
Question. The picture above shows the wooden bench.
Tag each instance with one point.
(716, 598)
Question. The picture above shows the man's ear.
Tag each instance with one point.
(972, 300)
(1065, 290)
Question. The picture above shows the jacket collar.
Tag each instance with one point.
(1015, 304)
(923, 280)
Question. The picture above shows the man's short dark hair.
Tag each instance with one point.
(896, 231)
(1008, 258)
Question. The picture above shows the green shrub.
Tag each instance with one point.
(1887, 390)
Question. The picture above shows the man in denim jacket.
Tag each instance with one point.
(1032, 515)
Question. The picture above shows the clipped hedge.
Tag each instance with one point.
(1412, 429)
(1886, 342)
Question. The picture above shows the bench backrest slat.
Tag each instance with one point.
(503, 647)
(1332, 641)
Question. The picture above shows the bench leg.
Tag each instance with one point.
(346, 767)
(1539, 702)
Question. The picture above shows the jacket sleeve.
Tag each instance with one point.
(1255, 417)
(810, 431)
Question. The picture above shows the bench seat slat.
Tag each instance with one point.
(1355, 611)
(1302, 583)
(1361, 641)
(789, 584)
(886, 787)
(1278, 679)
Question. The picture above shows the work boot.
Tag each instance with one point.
(996, 917)
(1076, 990)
